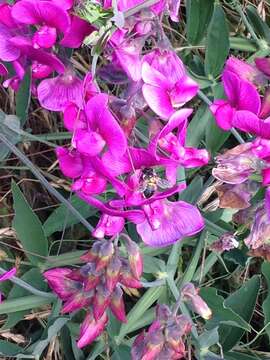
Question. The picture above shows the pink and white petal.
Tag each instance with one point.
(153, 77)
(158, 100)
(56, 93)
(130, 62)
(177, 221)
(8, 50)
(183, 91)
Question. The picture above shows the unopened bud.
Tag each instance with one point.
(190, 294)
(117, 305)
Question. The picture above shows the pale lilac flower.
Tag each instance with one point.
(226, 242)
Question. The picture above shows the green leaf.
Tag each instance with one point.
(28, 228)
(9, 349)
(6, 124)
(122, 352)
(49, 333)
(242, 302)
(197, 127)
(152, 265)
(208, 338)
(235, 355)
(138, 311)
(32, 277)
(198, 15)
(193, 191)
(56, 221)
(217, 43)
(23, 97)
(221, 313)
(266, 303)
(257, 23)
(23, 303)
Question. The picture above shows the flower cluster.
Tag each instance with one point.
(108, 151)
(244, 169)
(98, 285)
(165, 338)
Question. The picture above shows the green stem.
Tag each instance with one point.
(43, 180)
(28, 287)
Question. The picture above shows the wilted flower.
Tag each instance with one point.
(191, 294)
(226, 242)
(165, 337)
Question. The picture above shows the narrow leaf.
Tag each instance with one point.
(28, 228)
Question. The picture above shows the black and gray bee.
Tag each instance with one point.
(150, 182)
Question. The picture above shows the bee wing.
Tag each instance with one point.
(163, 184)
(142, 187)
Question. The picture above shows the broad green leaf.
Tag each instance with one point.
(28, 228)
(193, 191)
(198, 15)
(138, 311)
(260, 26)
(9, 349)
(153, 265)
(266, 303)
(13, 137)
(214, 136)
(49, 333)
(217, 42)
(61, 216)
(198, 125)
(206, 340)
(32, 277)
(221, 313)
(147, 318)
(23, 97)
(121, 352)
(236, 355)
(24, 303)
(242, 302)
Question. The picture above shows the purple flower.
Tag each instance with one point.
(168, 222)
(191, 295)
(166, 86)
(56, 93)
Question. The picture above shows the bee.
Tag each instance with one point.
(150, 182)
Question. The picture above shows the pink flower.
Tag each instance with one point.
(166, 86)
(91, 329)
(7, 275)
(56, 93)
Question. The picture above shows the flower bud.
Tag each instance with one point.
(112, 273)
(153, 345)
(101, 301)
(76, 302)
(92, 254)
(127, 278)
(91, 329)
(190, 294)
(60, 283)
(135, 259)
(117, 305)
(260, 229)
(105, 254)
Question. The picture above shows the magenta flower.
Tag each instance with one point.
(102, 129)
(34, 12)
(74, 36)
(7, 275)
(56, 93)
(108, 226)
(166, 86)
(91, 329)
(242, 107)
